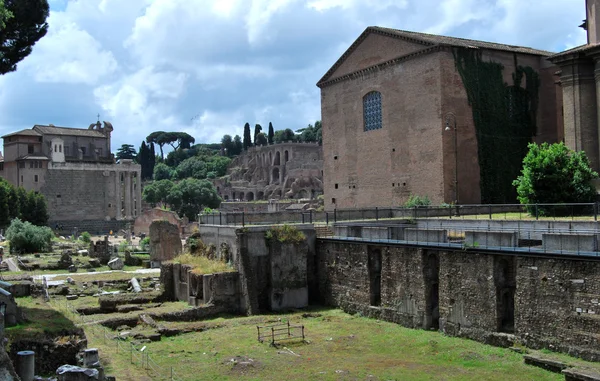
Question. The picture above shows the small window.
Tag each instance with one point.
(335, 157)
(1, 166)
(57, 196)
(55, 148)
(333, 200)
(393, 150)
(31, 164)
(372, 111)
(82, 150)
(21, 178)
(66, 151)
(109, 205)
(35, 164)
(30, 148)
(393, 184)
(60, 148)
(21, 164)
(35, 178)
(336, 186)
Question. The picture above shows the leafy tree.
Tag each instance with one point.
(162, 172)
(4, 213)
(126, 151)
(27, 238)
(257, 130)
(271, 133)
(193, 167)
(237, 145)
(227, 145)
(24, 24)
(157, 192)
(247, 139)
(555, 174)
(261, 139)
(190, 196)
(22, 197)
(13, 201)
(311, 133)
(218, 165)
(40, 216)
(286, 135)
(5, 14)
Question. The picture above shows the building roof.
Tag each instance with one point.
(26, 132)
(434, 39)
(33, 156)
(67, 131)
(576, 50)
(429, 42)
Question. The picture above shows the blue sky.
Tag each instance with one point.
(207, 67)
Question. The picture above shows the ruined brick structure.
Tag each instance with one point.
(276, 171)
(76, 172)
(580, 82)
(492, 297)
(397, 119)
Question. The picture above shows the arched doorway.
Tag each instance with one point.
(250, 196)
(260, 196)
(277, 159)
(275, 176)
(287, 158)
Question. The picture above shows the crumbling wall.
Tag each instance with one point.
(142, 223)
(495, 298)
(165, 241)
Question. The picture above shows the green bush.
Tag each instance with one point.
(555, 174)
(25, 237)
(86, 237)
(416, 200)
(285, 234)
(145, 243)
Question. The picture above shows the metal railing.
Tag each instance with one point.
(475, 211)
(280, 332)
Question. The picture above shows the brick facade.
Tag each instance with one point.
(412, 153)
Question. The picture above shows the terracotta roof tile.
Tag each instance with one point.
(67, 131)
(26, 132)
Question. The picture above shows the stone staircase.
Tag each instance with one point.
(323, 231)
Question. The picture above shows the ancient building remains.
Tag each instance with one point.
(580, 83)
(276, 171)
(398, 118)
(165, 241)
(76, 172)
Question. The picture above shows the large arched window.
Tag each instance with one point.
(372, 110)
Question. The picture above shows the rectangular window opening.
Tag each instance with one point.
(35, 178)
(336, 186)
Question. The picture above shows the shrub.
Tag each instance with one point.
(86, 237)
(552, 173)
(285, 234)
(25, 237)
(145, 243)
(416, 201)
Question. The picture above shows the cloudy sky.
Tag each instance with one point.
(207, 67)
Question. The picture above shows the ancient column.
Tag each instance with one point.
(128, 195)
(118, 194)
(138, 193)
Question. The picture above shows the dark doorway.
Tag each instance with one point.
(505, 280)
(431, 274)
(374, 264)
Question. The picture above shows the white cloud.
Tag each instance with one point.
(208, 66)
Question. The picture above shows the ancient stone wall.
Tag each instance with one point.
(142, 223)
(489, 297)
(165, 241)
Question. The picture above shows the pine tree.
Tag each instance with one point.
(271, 133)
(247, 138)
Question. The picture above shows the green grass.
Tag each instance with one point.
(203, 265)
(340, 347)
(42, 320)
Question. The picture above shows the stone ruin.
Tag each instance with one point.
(165, 241)
(101, 250)
(276, 171)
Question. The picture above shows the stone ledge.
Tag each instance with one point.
(575, 374)
(540, 362)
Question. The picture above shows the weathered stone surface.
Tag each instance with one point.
(95, 263)
(116, 264)
(576, 374)
(165, 241)
(544, 363)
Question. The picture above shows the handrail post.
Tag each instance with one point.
(327, 218)
(376, 214)
(243, 219)
(334, 215)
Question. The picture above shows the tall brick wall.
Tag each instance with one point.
(556, 301)
(80, 194)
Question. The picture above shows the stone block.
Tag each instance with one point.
(375, 232)
(544, 363)
(165, 241)
(425, 235)
(116, 264)
(491, 238)
(575, 374)
(569, 242)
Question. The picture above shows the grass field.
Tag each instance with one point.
(339, 347)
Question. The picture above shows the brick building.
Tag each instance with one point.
(580, 82)
(76, 172)
(411, 113)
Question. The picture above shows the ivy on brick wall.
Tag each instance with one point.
(505, 120)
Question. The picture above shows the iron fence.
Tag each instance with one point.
(477, 211)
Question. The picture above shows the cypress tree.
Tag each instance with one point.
(271, 133)
(247, 138)
(257, 130)
(152, 162)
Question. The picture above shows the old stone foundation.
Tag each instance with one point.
(491, 297)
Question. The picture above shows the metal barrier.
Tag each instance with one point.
(280, 332)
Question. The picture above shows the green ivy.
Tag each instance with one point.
(505, 120)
